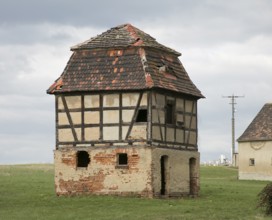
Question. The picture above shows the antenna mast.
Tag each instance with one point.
(233, 102)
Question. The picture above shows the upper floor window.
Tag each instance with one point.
(170, 112)
(142, 115)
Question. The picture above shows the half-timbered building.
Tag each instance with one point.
(126, 119)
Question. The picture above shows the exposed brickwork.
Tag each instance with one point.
(83, 185)
(141, 177)
(104, 158)
(69, 159)
(103, 176)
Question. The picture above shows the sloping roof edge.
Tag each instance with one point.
(260, 129)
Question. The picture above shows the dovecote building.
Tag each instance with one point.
(126, 119)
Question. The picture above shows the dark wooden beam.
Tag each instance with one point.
(57, 120)
(134, 115)
(190, 124)
(101, 116)
(159, 120)
(82, 118)
(69, 117)
(120, 115)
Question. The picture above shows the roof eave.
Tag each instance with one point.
(254, 140)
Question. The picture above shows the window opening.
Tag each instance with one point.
(170, 113)
(83, 159)
(142, 115)
(251, 162)
(122, 159)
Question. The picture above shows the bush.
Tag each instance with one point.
(265, 199)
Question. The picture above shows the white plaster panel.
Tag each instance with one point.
(92, 117)
(138, 132)
(187, 121)
(60, 104)
(155, 118)
(124, 132)
(111, 100)
(62, 118)
(156, 133)
(110, 116)
(91, 101)
(127, 115)
(180, 135)
(76, 117)
(92, 134)
(144, 100)
(192, 138)
(130, 99)
(65, 134)
(189, 105)
(111, 133)
(73, 101)
(160, 100)
(180, 105)
(170, 132)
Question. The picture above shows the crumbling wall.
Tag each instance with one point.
(103, 175)
(178, 179)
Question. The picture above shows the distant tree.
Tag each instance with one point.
(265, 199)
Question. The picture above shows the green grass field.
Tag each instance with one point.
(27, 192)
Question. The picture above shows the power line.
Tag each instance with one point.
(233, 103)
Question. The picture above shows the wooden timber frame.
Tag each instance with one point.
(152, 105)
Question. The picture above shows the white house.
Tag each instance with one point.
(255, 147)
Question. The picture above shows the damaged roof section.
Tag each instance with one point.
(260, 129)
(123, 36)
(124, 58)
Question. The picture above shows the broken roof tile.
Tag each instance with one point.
(123, 58)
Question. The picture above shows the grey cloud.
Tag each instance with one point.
(82, 12)
(226, 49)
(27, 34)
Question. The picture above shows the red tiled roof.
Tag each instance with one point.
(260, 129)
(122, 36)
(123, 58)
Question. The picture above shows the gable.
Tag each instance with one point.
(260, 129)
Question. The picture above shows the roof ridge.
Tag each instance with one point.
(123, 35)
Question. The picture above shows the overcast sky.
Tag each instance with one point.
(226, 48)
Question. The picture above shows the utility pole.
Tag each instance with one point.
(233, 102)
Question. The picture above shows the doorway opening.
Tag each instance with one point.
(164, 174)
(193, 177)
